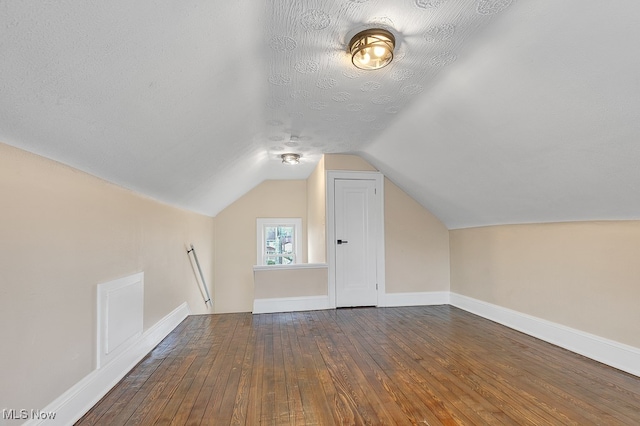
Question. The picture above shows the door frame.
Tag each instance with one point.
(332, 176)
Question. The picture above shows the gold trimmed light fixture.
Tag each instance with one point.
(372, 49)
(290, 158)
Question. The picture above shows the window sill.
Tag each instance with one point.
(292, 266)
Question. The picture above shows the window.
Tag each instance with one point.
(279, 241)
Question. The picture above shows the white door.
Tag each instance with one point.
(355, 232)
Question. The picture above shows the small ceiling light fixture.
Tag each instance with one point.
(290, 158)
(372, 49)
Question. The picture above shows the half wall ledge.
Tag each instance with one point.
(288, 288)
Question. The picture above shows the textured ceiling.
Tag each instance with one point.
(493, 111)
(537, 122)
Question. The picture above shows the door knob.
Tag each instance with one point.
(342, 241)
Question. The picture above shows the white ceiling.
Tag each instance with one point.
(493, 111)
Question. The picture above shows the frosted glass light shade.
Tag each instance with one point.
(290, 158)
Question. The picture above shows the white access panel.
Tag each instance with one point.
(120, 314)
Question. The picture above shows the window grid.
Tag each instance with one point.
(279, 241)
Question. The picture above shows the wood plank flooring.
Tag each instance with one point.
(434, 365)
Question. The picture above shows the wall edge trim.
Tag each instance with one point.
(81, 397)
(609, 352)
(291, 304)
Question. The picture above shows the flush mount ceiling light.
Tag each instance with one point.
(290, 158)
(372, 49)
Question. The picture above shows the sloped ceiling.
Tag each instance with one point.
(493, 111)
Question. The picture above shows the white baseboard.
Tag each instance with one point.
(311, 303)
(423, 298)
(76, 401)
(79, 399)
(612, 353)
(290, 304)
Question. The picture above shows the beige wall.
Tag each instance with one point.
(235, 244)
(347, 162)
(62, 232)
(582, 275)
(416, 242)
(416, 245)
(316, 214)
(277, 282)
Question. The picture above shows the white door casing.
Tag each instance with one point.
(355, 213)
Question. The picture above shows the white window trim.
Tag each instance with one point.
(297, 236)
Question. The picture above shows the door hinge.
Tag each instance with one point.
(376, 286)
(375, 191)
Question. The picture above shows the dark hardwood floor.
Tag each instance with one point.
(434, 365)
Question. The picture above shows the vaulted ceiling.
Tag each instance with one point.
(492, 111)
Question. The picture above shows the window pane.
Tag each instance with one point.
(270, 233)
(280, 260)
(279, 240)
